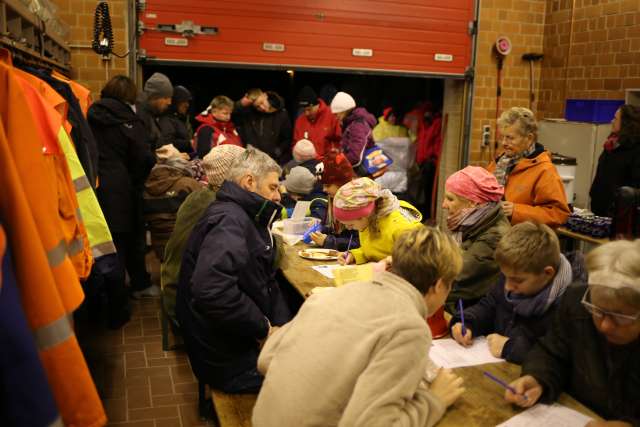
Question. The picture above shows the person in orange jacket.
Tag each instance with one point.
(533, 188)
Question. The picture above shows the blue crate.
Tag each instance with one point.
(591, 110)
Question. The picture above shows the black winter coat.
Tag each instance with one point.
(574, 357)
(174, 126)
(227, 288)
(125, 161)
(268, 132)
(618, 168)
(157, 134)
(494, 314)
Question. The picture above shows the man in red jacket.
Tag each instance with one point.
(317, 123)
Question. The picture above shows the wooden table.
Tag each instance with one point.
(481, 405)
(299, 273)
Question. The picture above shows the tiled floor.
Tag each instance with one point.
(141, 385)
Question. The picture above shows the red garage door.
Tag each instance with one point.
(416, 36)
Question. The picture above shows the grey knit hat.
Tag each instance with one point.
(300, 181)
(158, 86)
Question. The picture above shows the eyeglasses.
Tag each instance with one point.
(617, 318)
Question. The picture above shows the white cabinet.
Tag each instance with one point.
(584, 141)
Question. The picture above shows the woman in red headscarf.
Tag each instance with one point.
(472, 200)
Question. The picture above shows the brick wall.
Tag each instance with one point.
(591, 52)
(523, 22)
(88, 68)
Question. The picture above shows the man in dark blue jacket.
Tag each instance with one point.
(228, 300)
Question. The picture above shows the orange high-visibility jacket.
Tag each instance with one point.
(48, 283)
(76, 236)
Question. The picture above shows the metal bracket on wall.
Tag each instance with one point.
(141, 5)
(140, 27)
(141, 55)
(469, 73)
(472, 28)
(188, 29)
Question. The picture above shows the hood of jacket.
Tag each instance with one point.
(111, 112)
(360, 114)
(162, 178)
(261, 210)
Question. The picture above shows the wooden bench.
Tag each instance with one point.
(233, 410)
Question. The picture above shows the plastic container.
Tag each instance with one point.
(298, 227)
(566, 167)
(591, 110)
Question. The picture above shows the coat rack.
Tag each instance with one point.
(25, 34)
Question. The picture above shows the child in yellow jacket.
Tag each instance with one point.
(377, 215)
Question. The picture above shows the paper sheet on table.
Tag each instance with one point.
(300, 210)
(326, 270)
(449, 354)
(547, 415)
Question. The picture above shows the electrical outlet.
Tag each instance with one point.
(486, 135)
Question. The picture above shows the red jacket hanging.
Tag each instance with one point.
(429, 142)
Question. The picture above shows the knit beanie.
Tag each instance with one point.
(181, 94)
(304, 150)
(336, 169)
(217, 162)
(476, 184)
(356, 199)
(307, 97)
(158, 86)
(300, 181)
(342, 102)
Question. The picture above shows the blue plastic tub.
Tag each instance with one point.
(591, 110)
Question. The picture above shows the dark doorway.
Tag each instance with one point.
(374, 92)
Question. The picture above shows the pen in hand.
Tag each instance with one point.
(461, 311)
(346, 254)
(503, 384)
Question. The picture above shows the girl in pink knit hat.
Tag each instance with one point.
(377, 215)
(474, 217)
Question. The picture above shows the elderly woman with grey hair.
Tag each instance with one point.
(592, 350)
(533, 188)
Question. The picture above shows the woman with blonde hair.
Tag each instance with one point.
(533, 188)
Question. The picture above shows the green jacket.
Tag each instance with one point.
(479, 269)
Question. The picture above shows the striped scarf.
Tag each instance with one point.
(505, 164)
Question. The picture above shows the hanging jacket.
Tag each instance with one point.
(268, 132)
(49, 286)
(82, 93)
(212, 133)
(429, 141)
(125, 162)
(25, 395)
(164, 191)
(324, 131)
(357, 135)
(536, 190)
(83, 138)
(379, 246)
(227, 292)
(175, 125)
(617, 168)
(76, 233)
(480, 271)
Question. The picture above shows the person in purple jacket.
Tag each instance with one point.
(357, 126)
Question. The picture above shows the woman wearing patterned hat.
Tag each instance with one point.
(376, 214)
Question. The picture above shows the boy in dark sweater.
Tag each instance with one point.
(520, 306)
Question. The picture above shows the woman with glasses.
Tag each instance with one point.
(592, 350)
(533, 189)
